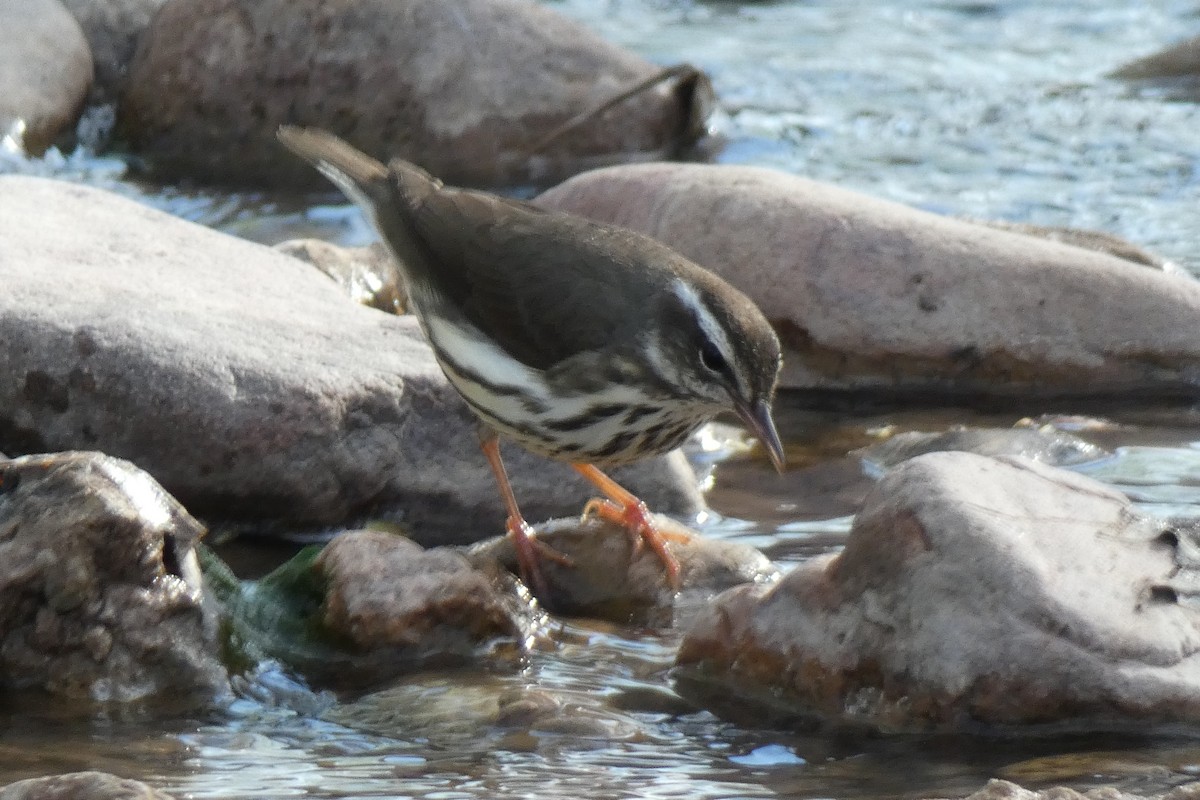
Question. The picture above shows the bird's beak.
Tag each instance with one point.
(757, 417)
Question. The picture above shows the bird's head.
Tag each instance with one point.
(716, 348)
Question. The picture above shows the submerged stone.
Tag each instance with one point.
(90, 785)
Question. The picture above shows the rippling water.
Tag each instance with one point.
(984, 109)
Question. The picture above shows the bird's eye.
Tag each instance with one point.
(711, 357)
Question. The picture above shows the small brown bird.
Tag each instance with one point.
(583, 342)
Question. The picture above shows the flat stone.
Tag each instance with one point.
(101, 597)
(873, 295)
(45, 71)
(245, 382)
(466, 90)
(971, 591)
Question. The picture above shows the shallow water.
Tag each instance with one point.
(985, 109)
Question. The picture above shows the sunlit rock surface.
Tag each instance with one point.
(871, 294)
(607, 579)
(971, 591)
(468, 90)
(45, 71)
(100, 592)
(81, 786)
(245, 381)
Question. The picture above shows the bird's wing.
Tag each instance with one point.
(544, 285)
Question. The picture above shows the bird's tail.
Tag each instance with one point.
(388, 195)
(362, 178)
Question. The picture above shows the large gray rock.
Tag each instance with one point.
(112, 28)
(971, 590)
(466, 89)
(100, 591)
(243, 379)
(870, 294)
(45, 70)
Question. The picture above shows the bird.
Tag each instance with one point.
(580, 341)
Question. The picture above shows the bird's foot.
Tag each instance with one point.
(530, 553)
(634, 518)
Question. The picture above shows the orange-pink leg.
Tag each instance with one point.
(623, 508)
(527, 547)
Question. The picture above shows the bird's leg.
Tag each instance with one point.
(527, 547)
(623, 508)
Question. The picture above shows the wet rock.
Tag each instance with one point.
(1045, 445)
(467, 90)
(112, 28)
(371, 606)
(45, 71)
(606, 579)
(869, 294)
(100, 592)
(89, 785)
(971, 591)
(367, 275)
(401, 604)
(244, 381)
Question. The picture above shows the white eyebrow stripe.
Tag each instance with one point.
(709, 326)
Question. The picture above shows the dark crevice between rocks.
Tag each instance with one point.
(17, 440)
